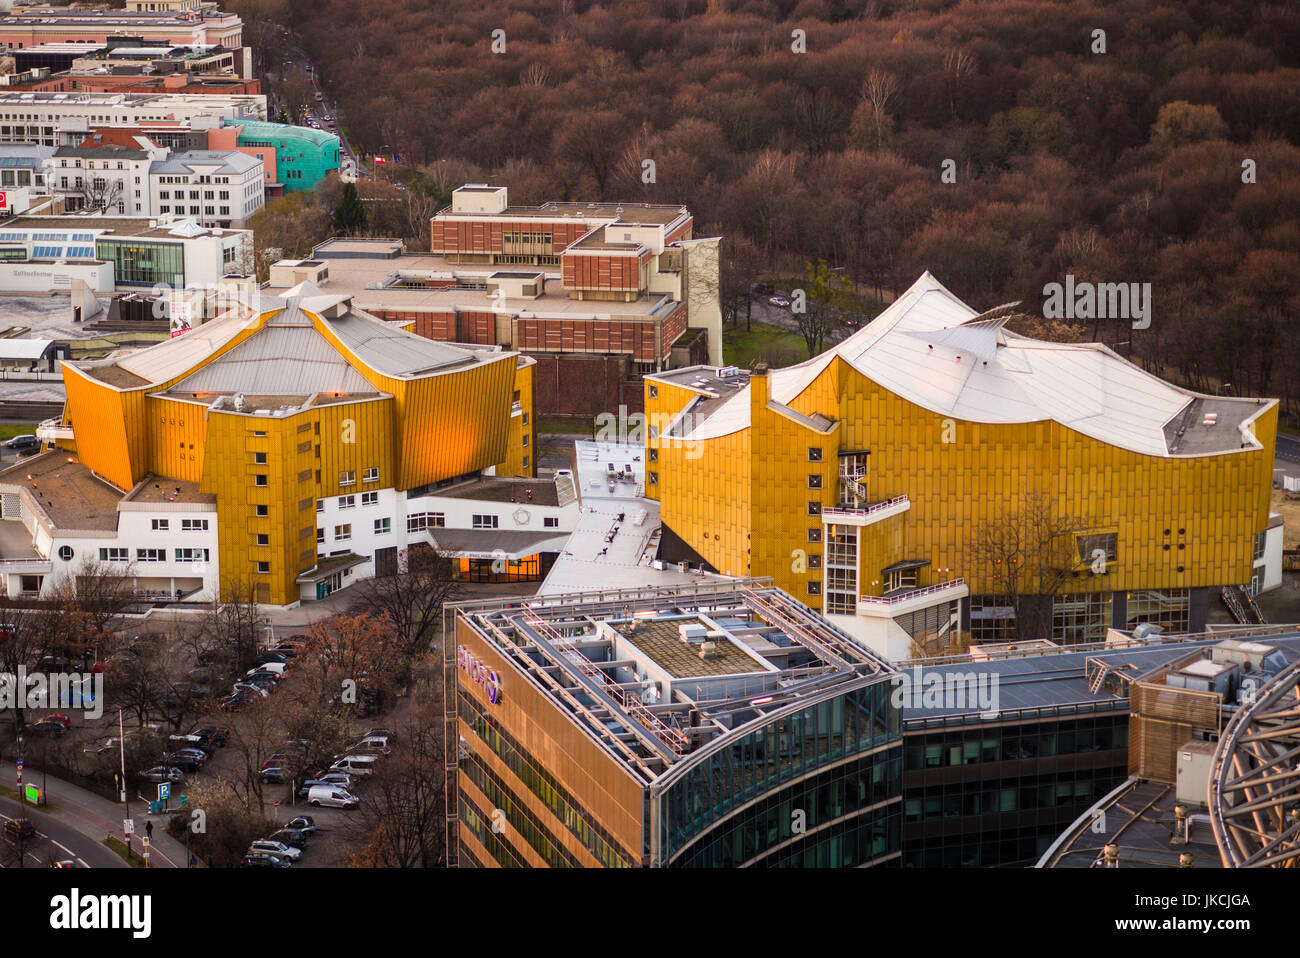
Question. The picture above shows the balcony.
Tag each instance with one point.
(52, 430)
(912, 599)
(865, 516)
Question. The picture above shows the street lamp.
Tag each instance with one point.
(1222, 386)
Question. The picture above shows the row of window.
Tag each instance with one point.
(349, 476)
(123, 554)
(343, 533)
(187, 525)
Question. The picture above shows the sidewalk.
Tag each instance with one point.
(97, 817)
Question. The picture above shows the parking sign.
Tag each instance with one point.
(164, 791)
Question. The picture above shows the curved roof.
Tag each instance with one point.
(929, 348)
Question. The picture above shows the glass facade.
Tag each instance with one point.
(533, 775)
(1000, 795)
(779, 758)
(1169, 608)
(1081, 617)
(144, 264)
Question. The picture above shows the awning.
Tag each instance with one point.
(494, 544)
(330, 565)
(905, 566)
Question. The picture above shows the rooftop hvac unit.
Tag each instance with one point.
(683, 567)
(709, 650)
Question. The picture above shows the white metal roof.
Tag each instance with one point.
(924, 348)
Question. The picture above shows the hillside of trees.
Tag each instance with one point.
(1128, 165)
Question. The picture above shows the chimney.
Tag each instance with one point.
(758, 387)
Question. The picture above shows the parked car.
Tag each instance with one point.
(764, 289)
(235, 702)
(331, 797)
(19, 828)
(779, 301)
(163, 773)
(275, 668)
(384, 732)
(251, 690)
(292, 837)
(271, 656)
(185, 762)
(27, 443)
(372, 743)
(218, 735)
(263, 860)
(269, 846)
(303, 823)
(328, 780)
(359, 764)
(276, 775)
(47, 727)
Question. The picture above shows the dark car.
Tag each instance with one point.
(235, 702)
(272, 656)
(292, 837)
(264, 861)
(185, 761)
(275, 775)
(217, 735)
(23, 443)
(764, 289)
(47, 727)
(19, 828)
(303, 823)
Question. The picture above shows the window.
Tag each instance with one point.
(853, 478)
(525, 419)
(550, 522)
(263, 511)
(347, 502)
(259, 458)
(485, 522)
(383, 526)
(159, 525)
(654, 392)
(191, 555)
(814, 508)
(320, 534)
(369, 498)
(259, 434)
(525, 439)
(814, 588)
(372, 474)
(814, 481)
(420, 521)
(652, 478)
(259, 479)
(814, 560)
(320, 505)
(150, 555)
(348, 478)
(194, 525)
(343, 533)
(263, 539)
(814, 535)
(264, 567)
(1103, 542)
(114, 555)
(814, 453)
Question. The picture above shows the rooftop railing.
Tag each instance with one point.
(867, 510)
(888, 600)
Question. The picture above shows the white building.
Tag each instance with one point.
(214, 188)
(66, 119)
(111, 178)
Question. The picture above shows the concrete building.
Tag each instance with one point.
(877, 481)
(221, 189)
(24, 28)
(298, 157)
(66, 119)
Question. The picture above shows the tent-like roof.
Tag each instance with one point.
(929, 348)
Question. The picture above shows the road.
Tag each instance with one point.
(1288, 448)
(58, 842)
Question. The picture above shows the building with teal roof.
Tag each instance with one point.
(303, 156)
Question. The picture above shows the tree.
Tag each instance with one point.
(234, 621)
(101, 194)
(826, 297)
(1027, 555)
(410, 600)
(349, 216)
(1181, 122)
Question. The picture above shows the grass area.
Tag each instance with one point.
(775, 346)
(566, 425)
(9, 430)
(119, 847)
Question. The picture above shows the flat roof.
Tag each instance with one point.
(586, 645)
(70, 494)
(503, 489)
(159, 489)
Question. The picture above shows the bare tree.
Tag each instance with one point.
(101, 194)
(1028, 555)
(412, 599)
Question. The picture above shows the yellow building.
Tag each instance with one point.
(276, 409)
(936, 478)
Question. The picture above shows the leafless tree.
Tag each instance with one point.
(412, 599)
(1027, 555)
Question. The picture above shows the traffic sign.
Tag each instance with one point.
(164, 791)
(128, 826)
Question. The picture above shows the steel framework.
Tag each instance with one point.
(1255, 779)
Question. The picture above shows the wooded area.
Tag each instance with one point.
(1128, 165)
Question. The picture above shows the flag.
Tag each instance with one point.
(380, 159)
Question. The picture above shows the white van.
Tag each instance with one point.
(331, 797)
(275, 668)
(371, 743)
(355, 764)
